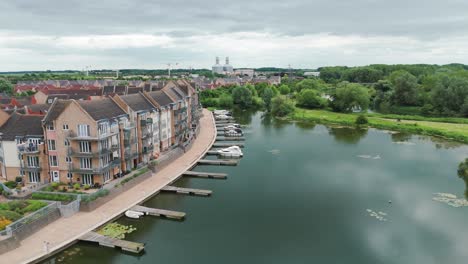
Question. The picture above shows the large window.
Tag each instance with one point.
(34, 177)
(85, 163)
(83, 131)
(53, 161)
(88, 179)
(33, 161)
(85, 146)
(107, 176)
(51, 144)
(50, 127)
(103, 128)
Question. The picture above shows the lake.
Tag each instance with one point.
(306, 193)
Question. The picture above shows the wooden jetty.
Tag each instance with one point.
(219, 162)
(226, 145)
(159, 212)
(212, 152)
(210, 175)
(105, 241)
(230, 138)
(188, 191)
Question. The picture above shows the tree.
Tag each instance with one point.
(405, 86)
(267, 95)
(6, 86)
(281, 106)
(310, 99)
(242, 96)
(225, 101)
(309, 84)
(284, 89)
(349, 96)
(463, 169)
(361, 120)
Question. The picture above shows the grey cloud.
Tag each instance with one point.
(421, 19)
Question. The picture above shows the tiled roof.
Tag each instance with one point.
(102, 109)
(56, 109)
(137, 102)
(21, 125)
(161, 98)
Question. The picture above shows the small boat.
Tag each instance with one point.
(232, 126)
(221, 112)
(134, 214)
(223, 117)
(233, 132)
(234, 151)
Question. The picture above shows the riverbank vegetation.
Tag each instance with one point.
(116, 230)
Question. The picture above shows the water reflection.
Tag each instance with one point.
(347, 135)
(306, 125)
(401, 137)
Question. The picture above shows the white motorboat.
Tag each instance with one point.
(232, 126)
(223, 117)
(233, 132)
(234, 151)
(134, 214)
(221, 112)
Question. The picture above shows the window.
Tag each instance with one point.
(103, 128)
(69, 175)
(51, 144)
(65, 126)
(88, 179)
(53, 161)
(83, 130)
(55, 176)
(34, 177)
(85, 146)
(104, 144)
(85, 163)
(33, 161)
(107, 176)
(67, 142)
(104, 161)
(68, 159)
(50, 127)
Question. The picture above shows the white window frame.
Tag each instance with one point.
(87, 179)
(85, 147)
(33, 161)
(52, 176)
(53, 161)
(65, 127)
(50, 127)
(68, 159)
(67, 142)
(51, 144)
(107, 176)
(86, 163)
(69, 175)
(34, 176)
(83, 130)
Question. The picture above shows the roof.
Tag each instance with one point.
(39, 107)
(161, 98)
(21, 125)
(137, 102)
(102, 109)
(56, 109)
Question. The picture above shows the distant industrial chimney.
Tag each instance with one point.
(217, 60)
(227, 60)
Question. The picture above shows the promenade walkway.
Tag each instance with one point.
(66, 230)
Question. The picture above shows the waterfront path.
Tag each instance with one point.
(65, 231)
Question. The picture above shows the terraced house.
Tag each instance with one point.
(92, 142)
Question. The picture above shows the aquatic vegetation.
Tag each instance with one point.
(450, 199)
(116, 230)
(404, 143)
(377, 215)
(274, 151)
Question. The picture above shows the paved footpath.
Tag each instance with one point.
(64, 231)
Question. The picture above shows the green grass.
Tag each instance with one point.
(418, 125)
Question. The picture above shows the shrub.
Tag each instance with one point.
(10, 215)
(281, 106)
(463, 169)
(76, 186)
(4, 222)
(94, 196)
(310, 99)
(361, 120)
(55, 185)
(33, 206)
(86, 187)
(18, 179)
(10, 184)
(53, 197)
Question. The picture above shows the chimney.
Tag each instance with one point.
(217, 60)
(227, 60)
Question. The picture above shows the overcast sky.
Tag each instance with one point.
(113, 34)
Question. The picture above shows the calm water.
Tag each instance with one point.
(300, 195)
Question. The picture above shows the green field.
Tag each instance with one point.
(449, 128)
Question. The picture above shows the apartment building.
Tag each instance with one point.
(22, 149)
(146, 116)
(166, 115)
(89, 142)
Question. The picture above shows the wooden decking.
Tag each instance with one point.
(210, 175)
(219, 162)
(225, 145)
(188, 191)
(159, 212)
(105, 241)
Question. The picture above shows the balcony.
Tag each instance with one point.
(99, 170)
(29, 149)
(94, 154)
(30, 168)
(130, 126)
(73, 136)
(130, 155)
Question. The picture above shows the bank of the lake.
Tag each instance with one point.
(301, 195)
(448, 128)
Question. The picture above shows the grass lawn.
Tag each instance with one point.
(457, 129)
